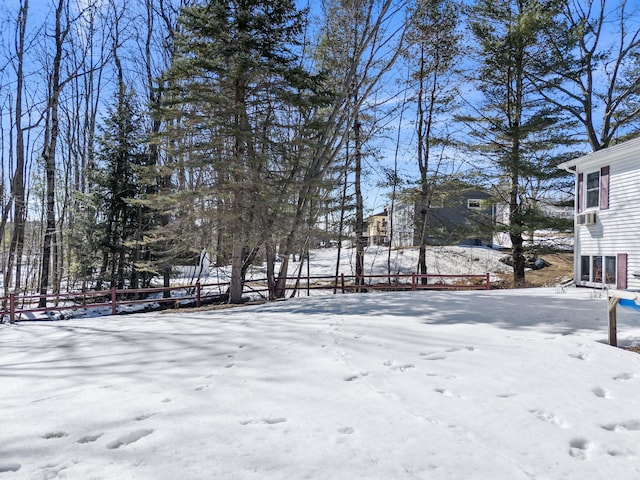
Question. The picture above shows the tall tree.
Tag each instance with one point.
(18, 181)
(50, 141)
(120, 156)
(89, 54)
(360, 42)
(432, 55)
(235, 67)
(514, 125)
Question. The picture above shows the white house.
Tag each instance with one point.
(607, 217)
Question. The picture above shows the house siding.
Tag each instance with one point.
(617, 228)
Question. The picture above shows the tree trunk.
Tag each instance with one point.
(236, 284)
(359, 228)
(18, 189)
(270, 255)
(49, 153)
(517, 253)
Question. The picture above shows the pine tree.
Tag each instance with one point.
(515, 129)
(119, 219)
(235, 75)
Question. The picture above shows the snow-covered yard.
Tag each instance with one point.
(441, 260)
(433, 385)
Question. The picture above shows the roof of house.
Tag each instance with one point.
(606, 154)
(381, 214)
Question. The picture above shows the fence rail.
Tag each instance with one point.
(15, 305)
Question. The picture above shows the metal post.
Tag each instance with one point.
(487, 281)
(198, 301)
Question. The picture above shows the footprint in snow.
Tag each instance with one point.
(601, 392)
(624, 452)
(506, 395)
(199, 388)
(578, 448)
(346, 430)
(458, 349)
(580, 356)
(140, 418)
(629, 425)
(351, 378)
(431, 356)
(549, 418)
(401, 367)
(623, 377)
(9, 467)
(50, 435)
(89, 438)
(129, 438)
(263, 421)
(447, 393)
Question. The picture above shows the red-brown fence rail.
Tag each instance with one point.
(14, 306)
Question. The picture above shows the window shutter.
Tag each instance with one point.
(621, 271)
(604, 188)
(580, 192)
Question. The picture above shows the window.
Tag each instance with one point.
(610, 270)
(474, 204)
(585, 270)
(598, 269)
(593, 190)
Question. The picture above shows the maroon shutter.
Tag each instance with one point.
(604, 188)
(580, 192)
(621, 271)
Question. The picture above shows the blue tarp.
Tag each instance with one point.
(629, 304)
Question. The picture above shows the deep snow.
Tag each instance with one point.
(489, 385)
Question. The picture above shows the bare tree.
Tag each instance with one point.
(591, 69)
(17, 184)
(434, 48)
(358, 46)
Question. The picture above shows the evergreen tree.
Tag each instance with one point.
(119, 220)
(515, 128)
(233, 78)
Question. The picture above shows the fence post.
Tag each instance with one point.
(12, 308)
(612, 304)
(114, 303)
(487, 284)
(198, 302)
(342, 281)
(413, 282)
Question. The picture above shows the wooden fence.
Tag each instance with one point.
(14, 306)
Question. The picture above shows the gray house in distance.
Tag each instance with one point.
(464, 217)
